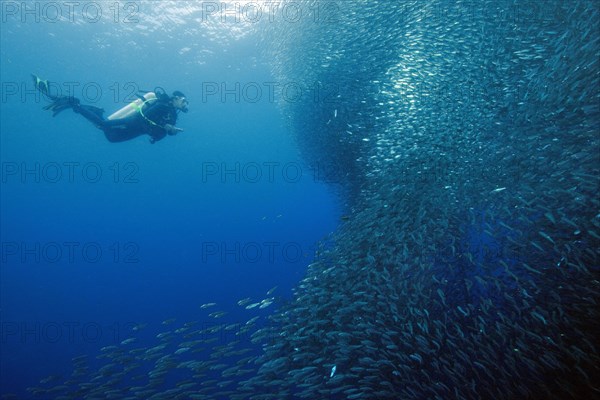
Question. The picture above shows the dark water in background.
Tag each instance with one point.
(461, 141)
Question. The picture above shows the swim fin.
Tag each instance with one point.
(62, 103)
(42, 85)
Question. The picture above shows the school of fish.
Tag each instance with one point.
(464, 138)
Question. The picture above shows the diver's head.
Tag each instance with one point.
(179, 101)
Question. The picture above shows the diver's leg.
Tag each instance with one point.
(120, 134)
(116, 130)
(92, 114)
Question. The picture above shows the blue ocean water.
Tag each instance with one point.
(101, 237)
(369, 200)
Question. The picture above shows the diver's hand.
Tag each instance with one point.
(172, 130)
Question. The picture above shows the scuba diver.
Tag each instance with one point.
(153, 113)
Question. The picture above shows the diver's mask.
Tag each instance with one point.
(183, 103)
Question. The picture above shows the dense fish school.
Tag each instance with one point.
(464, 139)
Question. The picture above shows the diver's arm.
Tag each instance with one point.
(153, 121)
(161, 133)
(163, 117)
(172, 129)
(157, 134)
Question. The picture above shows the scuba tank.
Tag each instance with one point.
(138, 104)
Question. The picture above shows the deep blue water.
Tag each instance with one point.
(157, 213)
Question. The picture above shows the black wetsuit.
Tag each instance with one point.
(156, 116)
